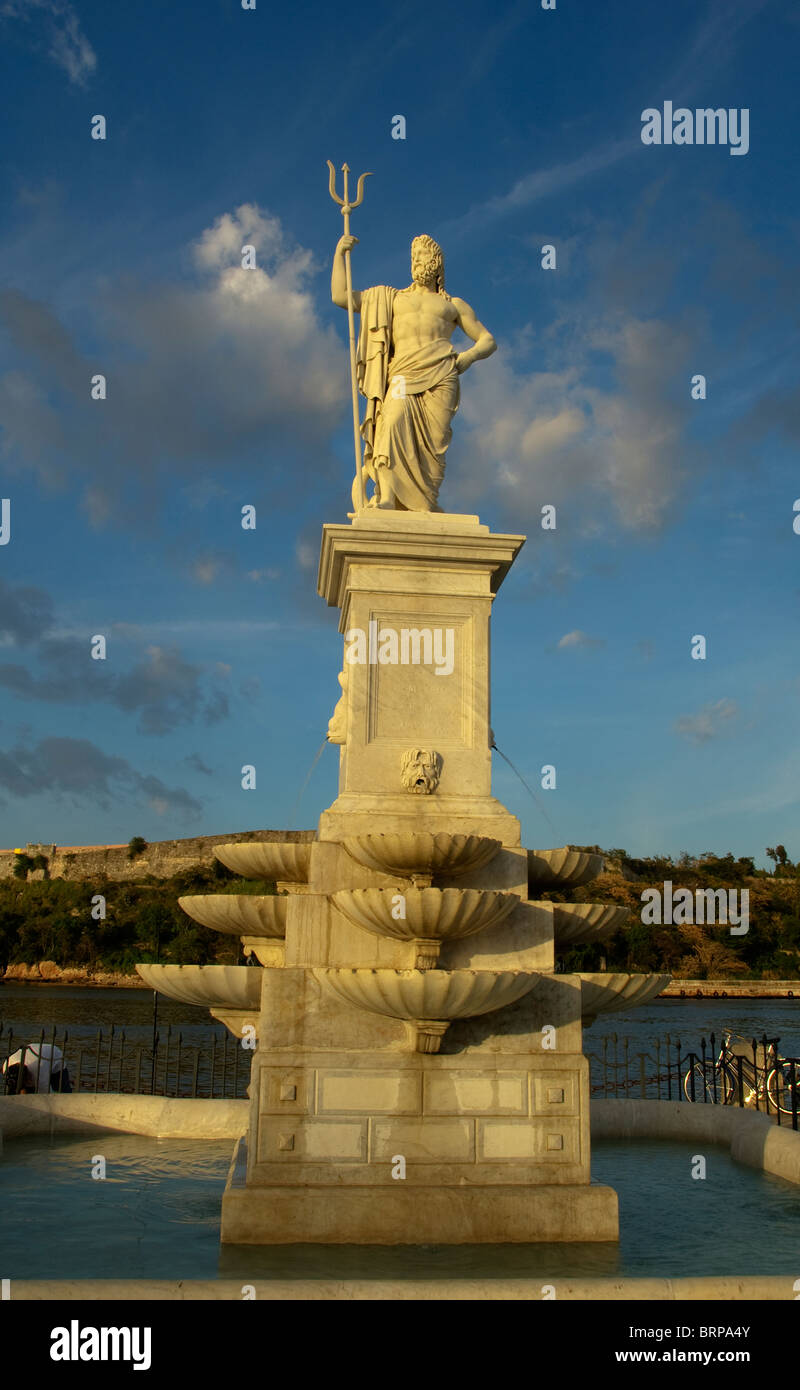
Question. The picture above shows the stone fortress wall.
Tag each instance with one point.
(162, 858)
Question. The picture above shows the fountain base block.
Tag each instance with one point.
(407, 1213)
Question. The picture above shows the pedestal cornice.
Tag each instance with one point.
(412, 539)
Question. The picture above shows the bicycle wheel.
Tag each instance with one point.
(703, 1085)
(728, 1087)
(779, 1089)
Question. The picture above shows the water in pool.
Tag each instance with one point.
(156, 1216)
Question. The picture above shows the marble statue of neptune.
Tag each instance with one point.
(408, 370)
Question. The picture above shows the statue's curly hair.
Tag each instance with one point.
(434, 259)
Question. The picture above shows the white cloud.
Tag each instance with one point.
(578, 639)
(306, 555)
(206, 570)
(708, 723)
(201, 494)
(541, 436)
(197, 372)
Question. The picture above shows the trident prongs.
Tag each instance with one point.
(345, 204)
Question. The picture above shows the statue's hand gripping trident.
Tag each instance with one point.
(359, 494)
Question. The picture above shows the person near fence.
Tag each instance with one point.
(37, 1067)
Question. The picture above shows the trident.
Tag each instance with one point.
(347, 207)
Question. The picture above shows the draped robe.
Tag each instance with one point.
(411, 400)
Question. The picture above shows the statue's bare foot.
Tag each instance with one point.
(384, 494)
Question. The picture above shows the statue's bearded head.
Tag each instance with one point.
(427, 262)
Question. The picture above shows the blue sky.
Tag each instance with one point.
(228, 387)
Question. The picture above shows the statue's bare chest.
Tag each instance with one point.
(427, 315)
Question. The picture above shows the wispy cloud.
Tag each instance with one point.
(196, 371)
(77, 770)
(215, 629)
(708, 50)
(306, 554)
(195, 762)
(56, 27)
(708, 723)
(549, 436)
(578, 639)
(160, 686)
(711, 46)
(257, 576)
(538, 185)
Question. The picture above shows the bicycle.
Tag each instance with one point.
(776, 1084)
(720, 1087)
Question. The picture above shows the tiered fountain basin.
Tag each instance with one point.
(421, 857)
(239, 914)
(578, 924)
(607, 993)
(273, 860)
(221, 986)
(561, 868)
(231, 992)
(428, 1000)
(258, 920)
(432, 915)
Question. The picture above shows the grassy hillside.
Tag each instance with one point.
(769, 950)
(51, 919)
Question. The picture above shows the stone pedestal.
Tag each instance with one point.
(433, 577)
(357, 1136)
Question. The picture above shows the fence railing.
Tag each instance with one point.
(745, 1072)
(112, 1062)
(739, 1071)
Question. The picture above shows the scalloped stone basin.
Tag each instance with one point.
(421, 856)
(234, 987)
(433, 915)
(605, 994)
(287, 860)
(562, 868)
(427, 999)
(578, 923)
(238, 914)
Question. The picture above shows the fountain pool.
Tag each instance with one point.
(156, 1216)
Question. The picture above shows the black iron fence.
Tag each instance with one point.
(748, 1072)
(113, 1062)
(736, 1071)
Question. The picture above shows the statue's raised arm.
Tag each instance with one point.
(339, 274)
